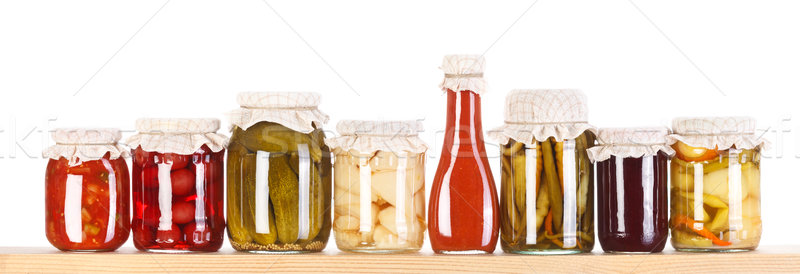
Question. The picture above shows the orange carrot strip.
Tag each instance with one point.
(688, 222)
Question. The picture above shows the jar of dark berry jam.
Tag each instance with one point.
(632, 189)
(178, 180)
(87, 190)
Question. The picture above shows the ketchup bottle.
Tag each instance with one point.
(463, 216)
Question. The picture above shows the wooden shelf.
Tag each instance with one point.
(14, 260)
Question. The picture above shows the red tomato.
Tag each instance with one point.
(197, 238)
(178, 161)
(182, 182)
(151, 215)
(150, 177)
(182, 212)
(169, 238)
(142, 235)
(142, 158)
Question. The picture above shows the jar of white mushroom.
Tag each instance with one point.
(379, 193)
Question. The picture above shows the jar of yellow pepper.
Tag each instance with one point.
(716, 179)
(547, 192)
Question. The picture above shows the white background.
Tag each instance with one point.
(106, 63)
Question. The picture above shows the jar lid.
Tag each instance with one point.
(177, 135)
(177, 125)
(536, 115)
(85, 144)
(370, 136)
(463, 72)
(295, 110)
(630, 142)
(717, 132)
(86, 136)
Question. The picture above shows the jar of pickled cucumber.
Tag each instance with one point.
(632, 209)
(279, 174)
(178, 185)
(87, 198)
(546, 193)
(716, 181)
(379, 186)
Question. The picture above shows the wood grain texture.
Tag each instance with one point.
(46, 260)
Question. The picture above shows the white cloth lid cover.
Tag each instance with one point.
(535, 115)
(86, 144)
(463, 72)
(295, 110)
(634, 142)
(177, 135)
(717, 132)
(370, 136)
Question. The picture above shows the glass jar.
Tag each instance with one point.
(178, 185)
(279, 174)
(86, 190)
(716, 181)
(545, 163)
(463, 214)
(379, 186)
(632, 189)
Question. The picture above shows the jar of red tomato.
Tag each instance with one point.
(86, 190)
(178, 177)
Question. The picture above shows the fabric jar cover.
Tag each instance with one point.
(367, 137)
(463, 72)
(177, 135)
(535, 115)
(630, 142)
(295, 110)
(90, 144)
(717, 132)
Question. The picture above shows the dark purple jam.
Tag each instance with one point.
(633, 210)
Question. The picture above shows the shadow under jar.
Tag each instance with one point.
(279, 174)
(379, 186)
(178, 190)
(87, 191)
(632, 209)
(716, 184)
(546, 194)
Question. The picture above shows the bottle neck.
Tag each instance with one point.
(464, 118)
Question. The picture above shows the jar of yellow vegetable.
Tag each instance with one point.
(379, 186)
(715, 192)
(279, 174)
(546, 194)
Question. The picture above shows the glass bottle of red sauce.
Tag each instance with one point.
(86, 190)
(632, 214)
(463, 214)
(178, 180)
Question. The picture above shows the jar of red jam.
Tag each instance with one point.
(178, 180)
(86, 190)
(632, 189)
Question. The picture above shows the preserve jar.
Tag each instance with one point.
(379, 186)
(178, 185)
(279, 174)
(546, 195)
(632, 188)
(463, 213)
(86, 190)
(716, 181)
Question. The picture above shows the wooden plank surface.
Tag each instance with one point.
(47, 260)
